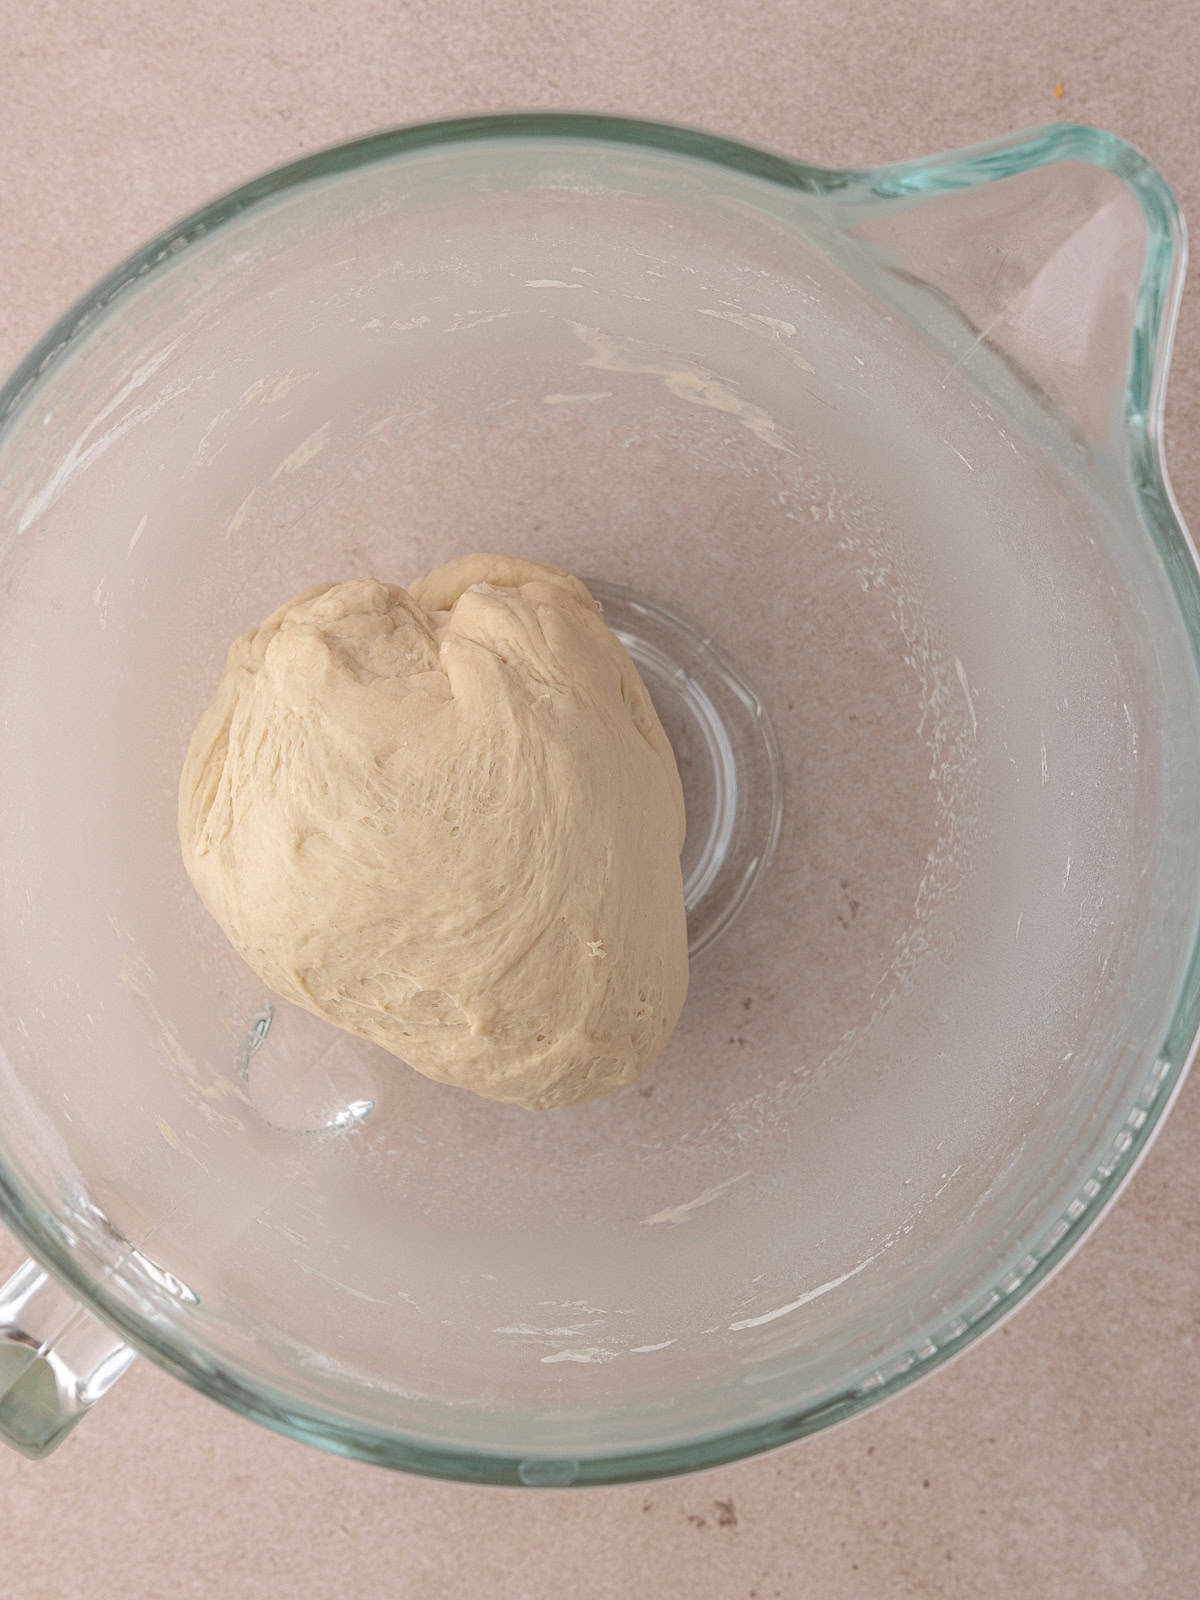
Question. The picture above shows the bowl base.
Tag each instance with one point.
(726, 750)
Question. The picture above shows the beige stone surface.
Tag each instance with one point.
(1060, 1458)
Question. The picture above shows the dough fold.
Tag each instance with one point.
(448, 820)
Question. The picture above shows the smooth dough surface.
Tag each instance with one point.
(448, 819)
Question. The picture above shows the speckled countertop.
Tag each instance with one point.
(1061, 1458)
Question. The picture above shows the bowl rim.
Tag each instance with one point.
(1154, 322)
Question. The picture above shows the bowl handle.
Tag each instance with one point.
(56, 1360)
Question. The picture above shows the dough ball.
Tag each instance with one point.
(448, 820)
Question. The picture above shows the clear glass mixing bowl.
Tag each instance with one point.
(866, 468)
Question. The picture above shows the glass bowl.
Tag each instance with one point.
(865, 468)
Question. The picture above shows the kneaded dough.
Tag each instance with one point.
(448, 819)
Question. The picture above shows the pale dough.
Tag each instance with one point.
(449, 820)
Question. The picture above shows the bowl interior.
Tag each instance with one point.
(953, 921)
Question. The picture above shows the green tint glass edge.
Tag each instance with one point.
(1157, 308)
